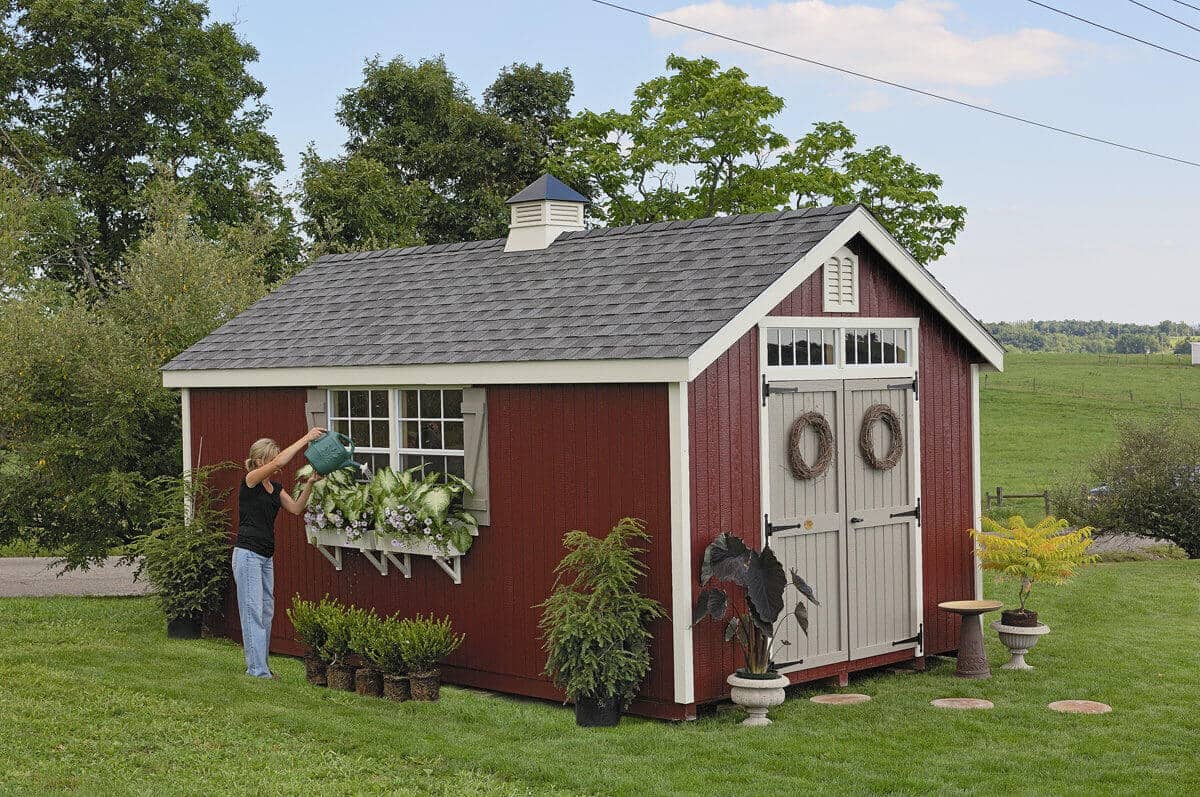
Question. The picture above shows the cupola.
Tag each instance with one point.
(541, 211)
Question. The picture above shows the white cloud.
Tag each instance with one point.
(907, 42)
(871, 101)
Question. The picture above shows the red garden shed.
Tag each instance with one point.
(578, 376)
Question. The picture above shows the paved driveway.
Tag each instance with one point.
(25, 576)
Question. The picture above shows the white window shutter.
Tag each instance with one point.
(316, 407)
(475, 443)
(841, 282)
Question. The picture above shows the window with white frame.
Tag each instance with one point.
(878, 346)
(819, 344)
(801, 346)
(431, 430)
(428, 423)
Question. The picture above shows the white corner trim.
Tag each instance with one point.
(681, 545)
(859, 222)
(976, 478)
(546, 372)
(185, 422)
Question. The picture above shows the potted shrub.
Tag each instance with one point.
(594, 623)
(426, 642)
(308, 620)
(1047, 552)
(368, 678)
(339, 623)
(385, 651)
(756, 604)
(185, 554)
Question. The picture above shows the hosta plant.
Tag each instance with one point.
(1047, 552)
(756, 602)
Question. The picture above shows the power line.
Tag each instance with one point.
(1164, 15)
(902, 86)
(1131, 37)
(1187, 5)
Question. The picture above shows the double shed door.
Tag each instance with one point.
(851, 532)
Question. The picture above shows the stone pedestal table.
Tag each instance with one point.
(972, 660)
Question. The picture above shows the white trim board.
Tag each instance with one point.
(681, 545)
(859, 222)
(976, 479)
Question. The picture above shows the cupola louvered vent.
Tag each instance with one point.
(841, 282)
(542, 211)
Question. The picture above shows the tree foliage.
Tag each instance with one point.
(96, 92)
(424, 162)
(699, 141)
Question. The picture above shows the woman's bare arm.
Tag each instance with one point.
(264, 471)
(297, 505)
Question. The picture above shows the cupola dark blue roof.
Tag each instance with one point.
(548, 187)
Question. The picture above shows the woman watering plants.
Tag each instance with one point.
(259, 499)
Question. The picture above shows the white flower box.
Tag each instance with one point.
(380, 549)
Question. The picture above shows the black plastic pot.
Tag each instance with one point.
(594, 712)
(184, 627)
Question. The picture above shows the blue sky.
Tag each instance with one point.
(1056, 227)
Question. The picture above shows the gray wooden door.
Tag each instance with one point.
(809, 519)
(883, 569)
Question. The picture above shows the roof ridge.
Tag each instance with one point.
(733, 218)
(422, 249)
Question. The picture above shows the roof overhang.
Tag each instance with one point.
(859, 222)
(508, 373)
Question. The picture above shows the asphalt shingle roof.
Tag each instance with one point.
(645, 291)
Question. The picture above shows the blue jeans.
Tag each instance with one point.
(255, 579)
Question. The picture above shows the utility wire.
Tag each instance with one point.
(1164, 15)
(902, 86)
(1094, 24)
(1187, 5)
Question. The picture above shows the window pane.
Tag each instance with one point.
(379, 461)
(801, 338)
(379, 434)
(785, 347)
(454, 465)
(851, 359)
(431, 434)
(360, 433)
(772, 347)
(341, 425)
(379, 404)
(452, 399)
(902, 346)
(876, 347)
(827, 345)
(341, 403)
(412, 435)
(409, 404)
(431, 403)
(864, 351)
(358, 403)
(454, 435)
(409, 461)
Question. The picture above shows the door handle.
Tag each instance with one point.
(856, 520)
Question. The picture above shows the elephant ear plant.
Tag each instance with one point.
(185, 554)
(594, 622)
(756, 602)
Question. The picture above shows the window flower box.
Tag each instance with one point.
(384, 549)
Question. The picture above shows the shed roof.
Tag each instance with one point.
(646, 291)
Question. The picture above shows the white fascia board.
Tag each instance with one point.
(681, 546)
(976, 479)
(518, 373)
(859, 222)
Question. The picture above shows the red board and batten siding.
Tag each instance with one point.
(723, 414)
(561, 457)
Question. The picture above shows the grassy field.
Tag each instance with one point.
(97, 700)
(1047, 415)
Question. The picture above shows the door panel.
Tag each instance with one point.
(815, 547)
(882, 574)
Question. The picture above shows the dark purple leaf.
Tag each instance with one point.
(804, 588)
(725, 559)
(801, 614)
(765, 581)
(731, 629)
(710, 603)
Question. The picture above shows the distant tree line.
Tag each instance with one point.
(1095, 337)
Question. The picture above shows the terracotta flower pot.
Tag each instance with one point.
(314, 669)
(340, 676)
(757, 695)
(368, 682)
(425, 686)
(1019, 640)
(395, 687)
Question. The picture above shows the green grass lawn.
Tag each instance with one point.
(1038, 430)
(97, 700)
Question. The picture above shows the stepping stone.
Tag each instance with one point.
(845, 699)
(961, 702)
(1080, 707)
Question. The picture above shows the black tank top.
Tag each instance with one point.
(256, 517)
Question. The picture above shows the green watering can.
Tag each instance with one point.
(327, 453)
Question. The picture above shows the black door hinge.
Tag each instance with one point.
(911, 513)
(913, 386)
(775, 665)
(770, 528)
(768, 389)
(918, 637)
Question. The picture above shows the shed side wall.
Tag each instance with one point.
(723, 406)
(561, 457)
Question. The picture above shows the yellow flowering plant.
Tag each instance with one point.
(1047, 552)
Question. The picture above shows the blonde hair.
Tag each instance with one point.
(264, 450)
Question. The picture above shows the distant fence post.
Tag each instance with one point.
(1046, 498)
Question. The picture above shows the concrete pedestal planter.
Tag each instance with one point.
(757, 695)
(1019, 640)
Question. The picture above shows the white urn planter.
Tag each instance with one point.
(1019, 640)
(757, 695)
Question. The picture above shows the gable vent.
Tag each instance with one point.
(841, 282)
